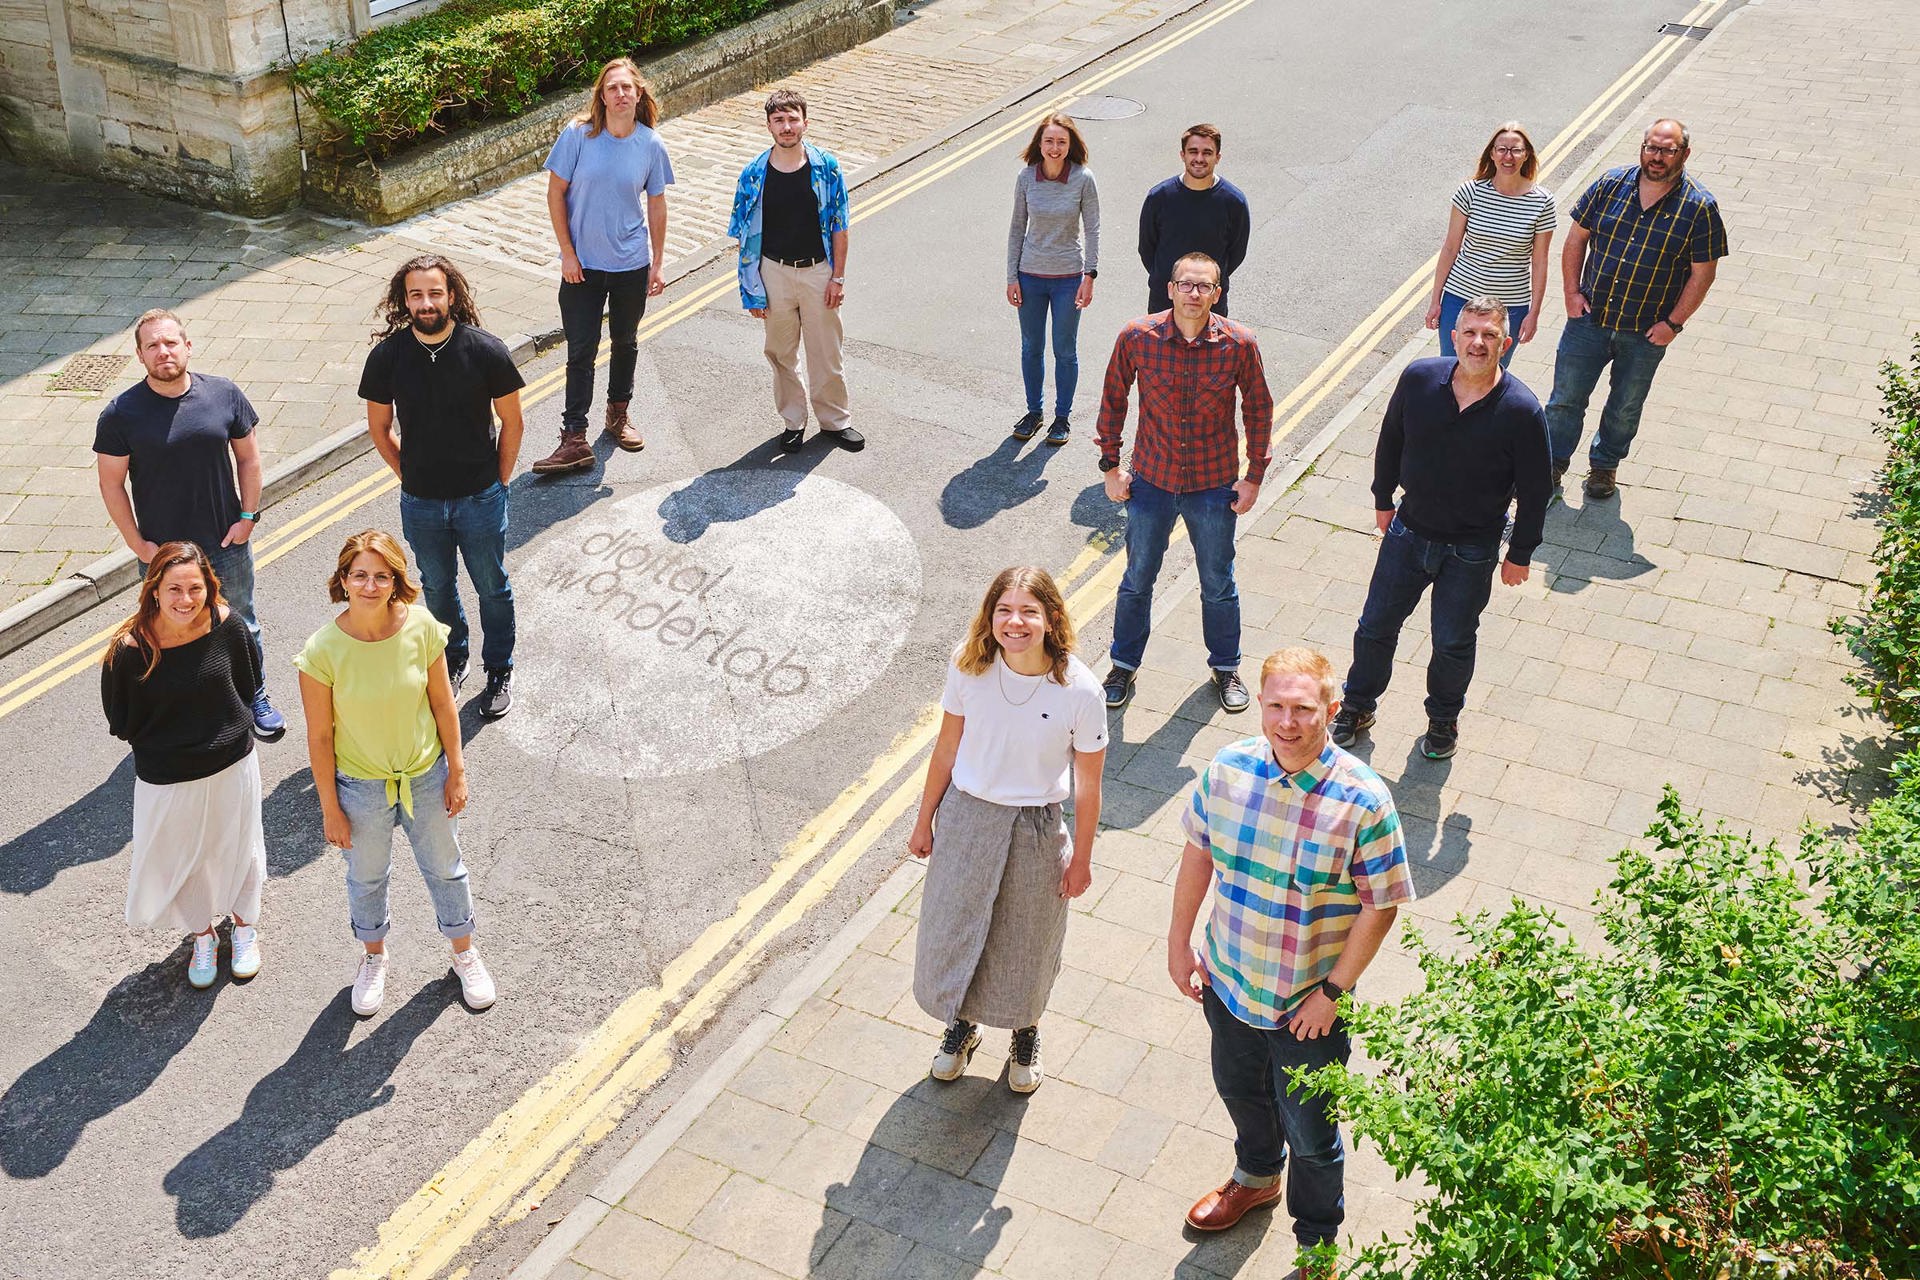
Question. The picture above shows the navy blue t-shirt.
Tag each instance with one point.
(181, 451)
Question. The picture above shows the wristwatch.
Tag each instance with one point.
(1109, 464)
(250, 515)
(1672, 324)
(1333, 989)
(839, 279)
(1091, 274)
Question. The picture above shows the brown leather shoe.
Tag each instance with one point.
(621, 428)
(572, 455)
(1221, 1208)
(1600, 484)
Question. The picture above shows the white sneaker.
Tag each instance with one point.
(956, 1050)
(205, 965)
(476, 984)
(370, 984)
(1023, 1061)
(246, 951)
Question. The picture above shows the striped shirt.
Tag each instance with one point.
(1185, 440)
(1295, 856)
(1496, 254)
(1638, 260)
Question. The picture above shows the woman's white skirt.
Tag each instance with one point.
(199, 852)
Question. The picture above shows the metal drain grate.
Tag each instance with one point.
(1104, 107)
(1682, 30)
(89, 373)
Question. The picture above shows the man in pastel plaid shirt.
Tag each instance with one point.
(1645, 243)
(1298, 847)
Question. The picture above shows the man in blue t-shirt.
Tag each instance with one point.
(185, 443)
(1195, 211)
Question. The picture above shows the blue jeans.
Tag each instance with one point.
(234, 567)
(436, 848)
(1038, 296)
(1450, 305)
(1210, 520)
(1461, 575)
(1272, 1120)
(475, 528)
(1585, 349)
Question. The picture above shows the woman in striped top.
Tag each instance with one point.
(1048, 269)
(1497, 238)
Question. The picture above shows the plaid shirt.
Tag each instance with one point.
(1295, 856)
(1185, 441)
(1638, 259)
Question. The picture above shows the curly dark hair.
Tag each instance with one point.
(392, 308)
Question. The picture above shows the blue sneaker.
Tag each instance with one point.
(268, 724)
(206, 960)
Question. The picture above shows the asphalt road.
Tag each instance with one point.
(643, 785)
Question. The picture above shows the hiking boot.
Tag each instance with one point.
(1023, 1061)
(1559, 473)
(1600, 483)
(574, 454)
(1441, 739)
(956, 1050)
(1349, 724)
(1119, 687)
(497, 698)
(1028, 427)
(1060, 431)
(1232, 690)
(621, 427)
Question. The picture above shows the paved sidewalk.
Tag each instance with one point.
(1677, 635)
(284, 305)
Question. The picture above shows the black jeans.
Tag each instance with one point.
(622, 296)
(1461, 575)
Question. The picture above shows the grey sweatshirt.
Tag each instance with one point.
(1044, 238)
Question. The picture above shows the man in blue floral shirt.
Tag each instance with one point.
(790, 217)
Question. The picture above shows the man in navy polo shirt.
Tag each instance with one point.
(1640, 256)
(1461, 439)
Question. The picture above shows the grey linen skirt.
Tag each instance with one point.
(992, 921)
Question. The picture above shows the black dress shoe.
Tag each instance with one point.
(790, 441)
(847, 438)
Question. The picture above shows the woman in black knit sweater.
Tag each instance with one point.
(177, 683)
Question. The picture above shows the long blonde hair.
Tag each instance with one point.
(139, 627)
(979, 649)
(646, 111)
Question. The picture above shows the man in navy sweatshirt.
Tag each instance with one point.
(1461, 439)
(1193, 212)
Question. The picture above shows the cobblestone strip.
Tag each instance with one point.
(1676, 636)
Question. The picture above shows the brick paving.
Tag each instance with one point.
(283, 305)
(1676, 635)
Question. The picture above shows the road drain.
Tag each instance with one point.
(1684, 31)
(89, 373)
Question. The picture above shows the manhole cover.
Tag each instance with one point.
(89, 373)
(1105, 107)
(1683, 31)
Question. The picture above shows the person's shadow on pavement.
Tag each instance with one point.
(758, 480)
(998, 482)
(1154, 769)
(1592, 544)
(146, 1019)
(298, 1106)
(93, 828)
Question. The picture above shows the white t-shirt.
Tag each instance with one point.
(1022, 731)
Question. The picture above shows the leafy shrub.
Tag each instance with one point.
(1731, 1089)
(481, 59)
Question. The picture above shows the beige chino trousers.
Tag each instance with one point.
(797, 312)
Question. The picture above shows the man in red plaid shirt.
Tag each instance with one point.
(1185, 465)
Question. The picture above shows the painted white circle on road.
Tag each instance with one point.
(704, 623)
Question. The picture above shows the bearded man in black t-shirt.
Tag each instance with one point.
(440, 378)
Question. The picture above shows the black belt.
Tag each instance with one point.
(799, 264)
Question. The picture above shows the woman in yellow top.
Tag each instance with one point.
(384, 740)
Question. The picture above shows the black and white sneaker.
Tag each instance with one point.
(457, 675)
(956, 1050)
(1347, 725)
(1028, 427)
(1023, 1061)
(1441, 739)
(1119, 687)
(497, 698)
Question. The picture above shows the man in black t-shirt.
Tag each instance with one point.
(441, 378)
(185, 442)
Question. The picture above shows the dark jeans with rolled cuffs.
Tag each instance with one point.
(622, 297)
(473, 529)
(234, 567)
(1272, 1120)
(1041, 296)
(1461, 577)
(1586, 349)
(1210, 520)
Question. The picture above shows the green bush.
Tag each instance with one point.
(483, 59)
(1730, 1089)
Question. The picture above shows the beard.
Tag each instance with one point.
(428, 320)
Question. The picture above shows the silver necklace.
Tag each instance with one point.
(433, 349)
(999, 673)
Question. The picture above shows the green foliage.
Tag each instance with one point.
(479, 59)
(1887, 639)
(1730, 1088)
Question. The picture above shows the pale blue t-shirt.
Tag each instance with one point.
(608, 181)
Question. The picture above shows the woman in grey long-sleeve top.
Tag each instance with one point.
(1049, 269)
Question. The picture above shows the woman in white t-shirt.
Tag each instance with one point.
(1497, 238)
(1025, 725)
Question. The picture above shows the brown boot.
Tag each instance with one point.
(1600, 483)
(621, 428)
(572, 455)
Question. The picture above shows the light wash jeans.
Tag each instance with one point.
(436, 848)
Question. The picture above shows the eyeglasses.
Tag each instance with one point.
(1667, 152)
(1195, 288)
(1510, 151)
(360, 578)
